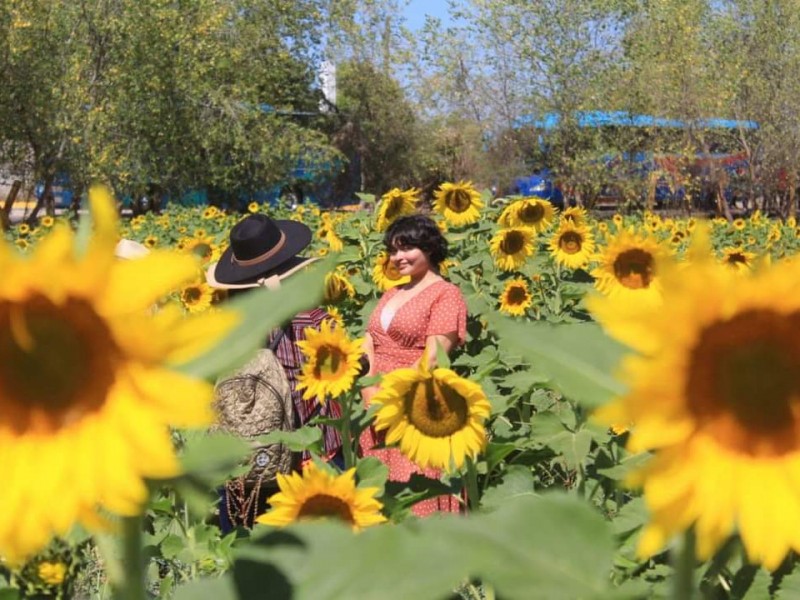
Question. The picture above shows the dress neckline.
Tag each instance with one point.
(404, 304)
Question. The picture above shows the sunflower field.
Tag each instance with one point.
(623, 420)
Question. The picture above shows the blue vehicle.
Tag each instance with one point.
(540, 185)
(639, 164)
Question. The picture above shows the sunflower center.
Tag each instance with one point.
(191, 295)
(743, 383)
(634, 269)
(570, 242)
(202, 250)
(531, 213)
(517, 295)
(394, 208)
(436, 409)
(323, 505)
(737, 257)
(458, 201)
(513, 242)
(57, 363)
(331, 363)
(391, 272)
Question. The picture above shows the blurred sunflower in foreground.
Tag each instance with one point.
(459, 203)
(87, 392)
(319, 495)
(714, 393)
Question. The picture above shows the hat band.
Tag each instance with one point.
(262, 257)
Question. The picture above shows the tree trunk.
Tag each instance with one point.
(5, 214)
(792, 182)
(40, 201)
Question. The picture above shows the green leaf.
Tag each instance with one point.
(628, 464)
(573, 447)
(522, 381)
(372, 472)
(496, 453)
(578, 357)
(790, 586)
(212, 453)
(222, 588)
(546, 548)
(517, 481)
(298, 440)
(630, 517)
(171, 546)
(261, 311)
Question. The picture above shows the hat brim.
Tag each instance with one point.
(285, 270)
(226, 272)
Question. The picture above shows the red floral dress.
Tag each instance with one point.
(439, 309)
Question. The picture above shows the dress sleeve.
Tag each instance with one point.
(448, 314)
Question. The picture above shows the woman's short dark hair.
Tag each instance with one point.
(417, 231)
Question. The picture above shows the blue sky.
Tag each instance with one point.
(417, 9)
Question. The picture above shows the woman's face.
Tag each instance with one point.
(409, 260)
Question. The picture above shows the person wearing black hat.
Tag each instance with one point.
(263, 252)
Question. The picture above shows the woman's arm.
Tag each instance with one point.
(369, 352)
(447, 341)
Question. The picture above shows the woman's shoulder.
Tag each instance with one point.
(448, 288)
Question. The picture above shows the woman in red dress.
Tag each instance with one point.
(407, 326)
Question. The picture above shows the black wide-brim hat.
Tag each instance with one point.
(260, 247)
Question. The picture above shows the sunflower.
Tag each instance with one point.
(22, 244)
(715, 395)
(738, 259)
(51, 573)
(436, 415)
(87, 393)
(200, 234)
(23, 229)
(197, 296)
(203, 248)
(338, 287)
(575, 215)
(385, 274)
(335, 316)
(318, 495)
(511, 247)
(253, 207)
(210, 212)
(331, 365)
(459, 203)
(327, 234)
(48, 221)
(628, 274)
(572, 246)
(739, 224)
(394, 204)
(516, 298)
(151, 241)
(530, 212)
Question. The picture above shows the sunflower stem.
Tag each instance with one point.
(471, 480)
(347, 443)
(133, 584)
(683, 558)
